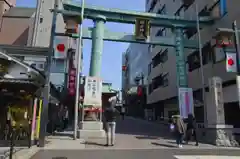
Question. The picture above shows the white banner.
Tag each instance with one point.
(93, 92)
(185, 97)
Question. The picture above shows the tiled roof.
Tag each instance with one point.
(21, 12)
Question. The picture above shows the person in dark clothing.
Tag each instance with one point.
(110, 115)
(191, 129)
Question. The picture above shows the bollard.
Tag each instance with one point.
(13, 124)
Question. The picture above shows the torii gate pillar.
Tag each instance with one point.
(97, 46)
(94, 128)
(180, 59)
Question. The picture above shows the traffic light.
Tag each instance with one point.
(231, 62)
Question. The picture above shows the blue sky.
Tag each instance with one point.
(112, 52)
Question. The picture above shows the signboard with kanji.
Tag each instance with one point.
(142, 29)
(93, 92)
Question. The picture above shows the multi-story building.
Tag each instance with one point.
(163, 89)
(23, 26)
(134, 77)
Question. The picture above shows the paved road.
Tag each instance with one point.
(132, 154)
(137, 139)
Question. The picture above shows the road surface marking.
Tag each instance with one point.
(205, 157)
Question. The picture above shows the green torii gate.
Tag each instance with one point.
(98, 33)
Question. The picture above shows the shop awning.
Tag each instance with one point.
(36, 74)
(34, 77)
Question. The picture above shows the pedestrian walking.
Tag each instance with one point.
(179, 130)
(191, 129)
(110, 114)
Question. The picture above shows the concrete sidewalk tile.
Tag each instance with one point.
(26, 153)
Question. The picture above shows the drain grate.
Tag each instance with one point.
(59, 158)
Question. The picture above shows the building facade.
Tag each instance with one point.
(163, 74)
(134, 78)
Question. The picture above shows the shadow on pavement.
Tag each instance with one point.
(142, 129)
(67, 134)
(93, 143)
(164, 145)
(147, 137)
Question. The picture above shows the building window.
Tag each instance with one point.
(157, 82)
(204, 12)
(194, 59)
(190, 32)
(156, 60)
(161, 57)
(187, 4)
(161, 32)
(162, 10)
(149, 68)
(152, 6)
(208, 53)
(165, 79)
(160, 81)
(41, 20)
(164, 56)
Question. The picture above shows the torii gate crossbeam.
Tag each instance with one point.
(101, 15)
(130, 38)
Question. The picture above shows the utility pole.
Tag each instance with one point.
(46, 90)
(201, 69)
(79, 59)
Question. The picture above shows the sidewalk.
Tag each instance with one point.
(58, 141)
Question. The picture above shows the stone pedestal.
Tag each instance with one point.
(221, 135)
(91, 129)
(218, 133)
